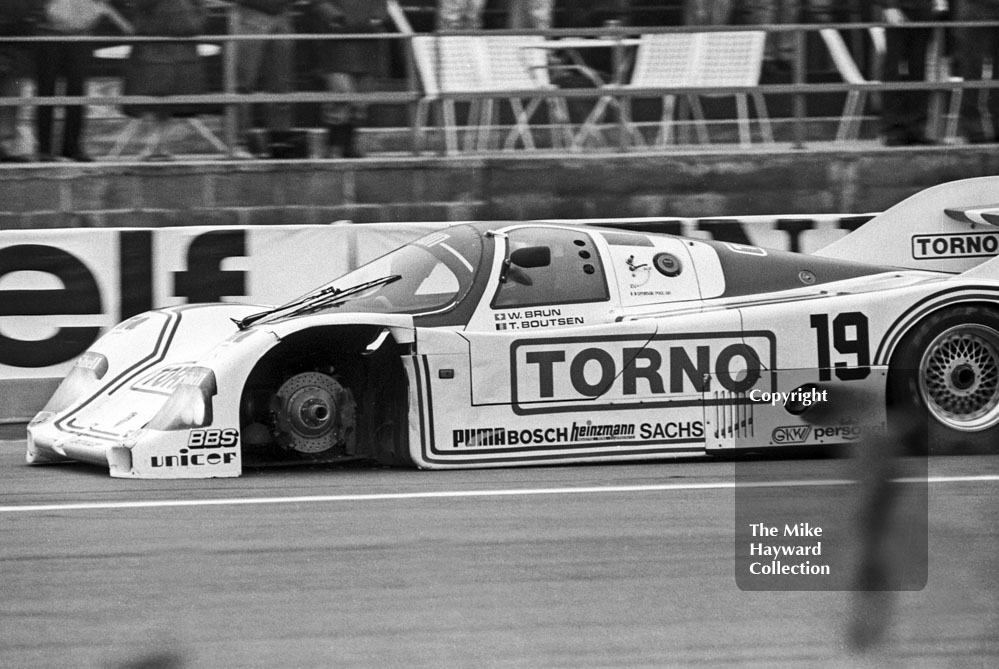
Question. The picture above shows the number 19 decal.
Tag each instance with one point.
(850, 338)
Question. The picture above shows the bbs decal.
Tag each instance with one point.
(213, 438)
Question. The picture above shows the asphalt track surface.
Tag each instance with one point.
(591, 566)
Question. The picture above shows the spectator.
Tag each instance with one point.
(166, 68)
(903, 118)
(530, 14)
(265, 65)
(780, 45)
(460, 14)
(54, 61)
(707, 12)
(348, 66)
(974, 47)
(595, 13)
(15, 16)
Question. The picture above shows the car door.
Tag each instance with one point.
(527, 312)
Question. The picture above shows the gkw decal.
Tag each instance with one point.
(791, 434)
(599, 373)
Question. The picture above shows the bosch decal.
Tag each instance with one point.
(956, 245)
(498, 436)
(628, 372)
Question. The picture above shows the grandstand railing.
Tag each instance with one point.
(799, 88)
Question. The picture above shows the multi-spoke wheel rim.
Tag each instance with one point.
(959, 377)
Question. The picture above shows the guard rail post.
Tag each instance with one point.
(799, 101)
(229, 83)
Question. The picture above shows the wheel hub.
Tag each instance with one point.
(959, 377)
(314, 413)
(963, 376)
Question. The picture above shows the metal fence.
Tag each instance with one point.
(798, 89)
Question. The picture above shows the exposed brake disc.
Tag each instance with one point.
(314, 413)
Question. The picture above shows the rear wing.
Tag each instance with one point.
(952, 227)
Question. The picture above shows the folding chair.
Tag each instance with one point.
(520, 63)
(852, 114)
(666, 61)
(939, 67)
(692, 60)
(157, 131)
(734, 59)
(448, 64)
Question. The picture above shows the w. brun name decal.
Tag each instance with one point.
(594, 373)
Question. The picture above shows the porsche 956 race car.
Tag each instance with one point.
(500, 344)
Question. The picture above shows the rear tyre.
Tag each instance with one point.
(943, 383)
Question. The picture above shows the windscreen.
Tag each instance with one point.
(428, 275)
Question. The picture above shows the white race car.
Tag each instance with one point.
(499, 344)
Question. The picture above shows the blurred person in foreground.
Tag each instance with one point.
(904, 116)
(347, 66)
(975, 48)
(264, 65)
(15, 21)
(889, 506)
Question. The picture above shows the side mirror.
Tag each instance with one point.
(532, 256)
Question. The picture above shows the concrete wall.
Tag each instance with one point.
(501, 187)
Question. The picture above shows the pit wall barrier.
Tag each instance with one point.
(62, 289)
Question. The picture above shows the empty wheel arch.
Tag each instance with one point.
(328, 394)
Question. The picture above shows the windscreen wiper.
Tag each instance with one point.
(316, 300)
